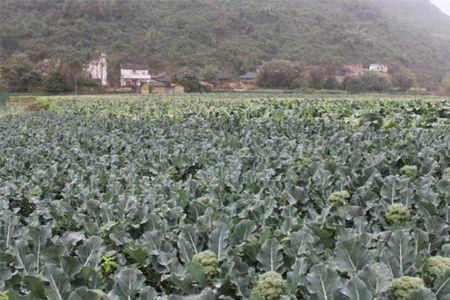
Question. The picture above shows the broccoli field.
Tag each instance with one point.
(216, 196)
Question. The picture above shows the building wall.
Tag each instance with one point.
(98, 69)
(378, 68)
(133, 77)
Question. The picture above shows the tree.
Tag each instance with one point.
(17, 73)
(403, 82)
(56, 82)
(191, 84)
(366, 83)
(277, 74)
(446, 83)
(331, 83)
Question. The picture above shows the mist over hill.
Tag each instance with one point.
(238, 35)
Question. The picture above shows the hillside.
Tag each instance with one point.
(238, 35)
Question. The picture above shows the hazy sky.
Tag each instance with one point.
(444, 5)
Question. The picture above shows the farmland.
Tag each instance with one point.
(231, 196)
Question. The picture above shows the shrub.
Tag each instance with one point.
(191, 84)
(277, 74)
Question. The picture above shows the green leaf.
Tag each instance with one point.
(422, 294)
(36, 286)
(59, 286)
(196, 273)
(269, 257)
(376, 277)
(442, 285)
(356, 289)
(218, 240)
(351, 256)
(399, 253)
(127, 284)
(323, 282)
(84, 293)
(90, 252)
(148, 293)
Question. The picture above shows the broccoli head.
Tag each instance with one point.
(401, 288)
(339, 198)
(269, 286)
(109, 264)
(436, 265)
(210, 263)
(4, 296)
(397, 213)
(410, 171)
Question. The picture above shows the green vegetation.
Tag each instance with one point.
(237, 196)
(412, 37)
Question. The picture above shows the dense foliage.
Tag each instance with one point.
(235, 35)
(124, 197)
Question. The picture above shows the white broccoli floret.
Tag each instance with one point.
(410, 171)
(436, 265)
(269, 286)
(339, 198)
(401, 288)
(398, 213)
(210, 263)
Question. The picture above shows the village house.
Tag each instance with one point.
(224, 80)
(378, 68)
(98, 69)
(132, 75)
(248, 80)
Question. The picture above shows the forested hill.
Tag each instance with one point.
(235, 34)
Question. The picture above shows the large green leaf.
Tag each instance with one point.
(90, 252)
(128, 283)
(442, 285)
(356, 289)
(269, 257)
(218, 240)
(85, 294)
(376, 277)
(399, 253)
(351, 256)
(323, 282)
(59, 286)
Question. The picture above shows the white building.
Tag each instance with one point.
(98, 69)
(379, 68)
(133, 75)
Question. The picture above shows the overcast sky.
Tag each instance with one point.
(444, 5)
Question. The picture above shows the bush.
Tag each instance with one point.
(446, 83)
(56, 82)
(402, 82)
(277, 74)
(191, 84)
(367, 83)
(331, 83)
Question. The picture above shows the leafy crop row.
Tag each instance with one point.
(226, 198)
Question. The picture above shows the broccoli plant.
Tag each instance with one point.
(269, 286)
(339, 198)
(435, 266)
(410, 171)
(210, 263)
(401, 288)
(397, 213)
